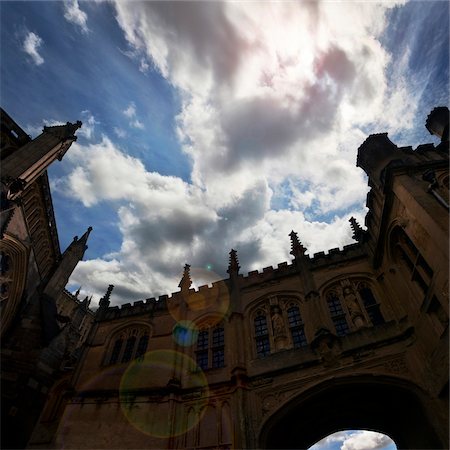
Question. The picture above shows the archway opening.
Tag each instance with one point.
(367, 403)
(355, 439)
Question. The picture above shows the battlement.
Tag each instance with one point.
(269, 273)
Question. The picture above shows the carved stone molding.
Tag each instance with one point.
(396, 366)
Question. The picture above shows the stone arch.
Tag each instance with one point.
(255, 304)
(327, 285)
(13, 273)
(393, 406)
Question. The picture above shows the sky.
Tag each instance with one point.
(209, 125)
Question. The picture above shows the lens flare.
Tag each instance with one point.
(145, 393)
(185, 333)
(213, 301)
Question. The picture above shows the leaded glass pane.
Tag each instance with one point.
(260, 326)
(298, 337)
(202, 359)
(142, 346)
(294, 316)
(202, 342)
(262, 346)
(334, 305)
(218, 358)
(341, 325)
(129, 347)
(218, 337)
(116, 351)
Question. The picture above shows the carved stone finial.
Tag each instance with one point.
(64, 132)
(297, 248)
(186, 281)
(358, 233)
(85, 303)
(233, 266)
(104, 301)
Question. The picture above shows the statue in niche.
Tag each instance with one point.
(279, 329)
(353, 307)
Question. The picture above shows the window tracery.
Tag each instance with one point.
(337, 313)
(210, 351)
(278, 325)
(13, 264)
(296, 326)
(352, 305)
(127, 345)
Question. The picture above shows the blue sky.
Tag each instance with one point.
(209, 126)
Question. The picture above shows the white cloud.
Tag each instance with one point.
(31, 46)
(356, 440)
(366, 440)
(89, 122)
(137, 124)
(120, 132)
(143, 65)
(73, 14)
(131, 113)
(275, 101)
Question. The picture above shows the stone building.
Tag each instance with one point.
(350, 339)
(38, 343)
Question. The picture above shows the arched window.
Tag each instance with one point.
(337, 314)
(370, 304)
(261, 334)
(116, 351)
(210, 352)
(142, 346)
(202, 349)
(296, 327)
(129, 344)
(218, 354)
(129, 347)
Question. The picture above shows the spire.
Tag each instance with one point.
(85, 303)
(233, 266)
(28, 162)
(70, 258)
(186, 281)
(104, 301)
(297, 248)
(358, 232)
(77, 293)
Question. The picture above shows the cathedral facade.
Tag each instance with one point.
(355, 338)
(42, 325)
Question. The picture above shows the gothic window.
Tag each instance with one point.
(202, 349)
(13, 268)
(337, 314)
(116, 351)
(296, 326)
(218, 354)
(261, 334)
(210, 352)
(128, 345)
(370, 304)
(142, 346)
